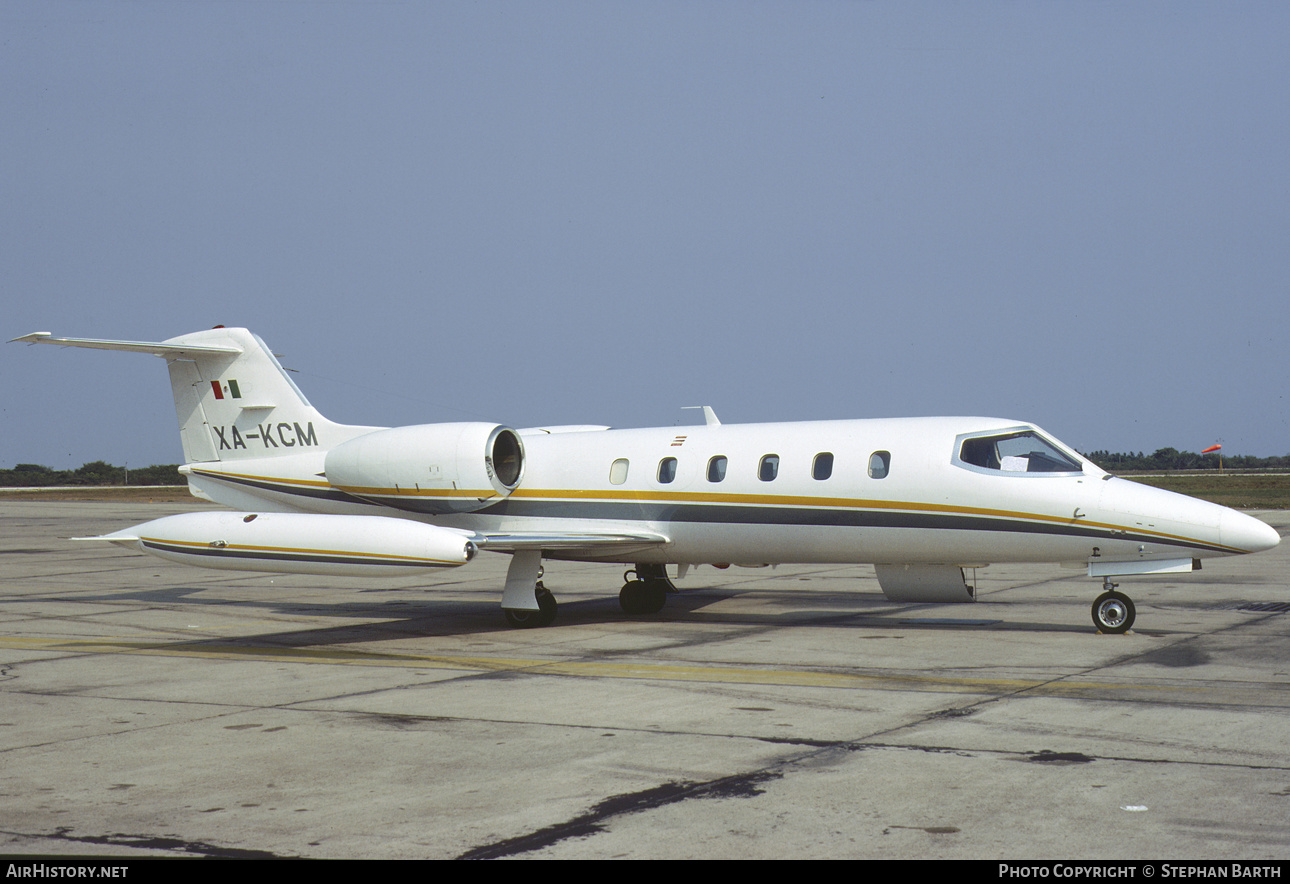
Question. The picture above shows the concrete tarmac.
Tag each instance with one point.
(151, 709)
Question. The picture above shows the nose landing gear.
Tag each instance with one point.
(1113, 612)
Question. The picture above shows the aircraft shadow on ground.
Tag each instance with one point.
(425, 616)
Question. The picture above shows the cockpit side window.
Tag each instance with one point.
(980, 453)
(1024, 451)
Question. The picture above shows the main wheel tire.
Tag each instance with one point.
(525, 618)
(521, 618)
(655, 596)
(629, 597)
(547, 605)
(1113, 613)
(642, 596)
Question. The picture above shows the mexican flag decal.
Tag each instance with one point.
(230, 388)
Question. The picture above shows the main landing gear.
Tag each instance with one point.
(521, 618)
(644, 593)
(526, 602)
(647, 593)
(1113, 611)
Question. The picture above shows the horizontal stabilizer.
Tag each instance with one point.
(233, 399)
(155, 348)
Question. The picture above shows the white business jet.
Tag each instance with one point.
(921, 499)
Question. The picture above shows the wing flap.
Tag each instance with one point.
(524, 540)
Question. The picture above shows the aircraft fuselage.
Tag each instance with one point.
(893, 491)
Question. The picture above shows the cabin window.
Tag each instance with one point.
(769, 468)
(717, 468)
(1019, 452)
(879, 464)
(666, 470)
(822, 468)
(618, 471)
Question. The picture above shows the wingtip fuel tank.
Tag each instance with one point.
(299, 543)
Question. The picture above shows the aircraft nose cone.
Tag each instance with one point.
(1247, 533)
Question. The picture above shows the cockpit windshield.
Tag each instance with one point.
(1023, 451)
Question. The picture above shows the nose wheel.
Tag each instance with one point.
(1113, 611)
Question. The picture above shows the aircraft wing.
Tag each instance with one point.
(498, 542)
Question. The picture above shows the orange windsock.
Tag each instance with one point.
(1211, 448)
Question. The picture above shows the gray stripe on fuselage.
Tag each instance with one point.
(740, 514)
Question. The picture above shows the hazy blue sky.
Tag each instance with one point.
(597, 212)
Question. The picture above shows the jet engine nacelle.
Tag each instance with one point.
(431, 468)
(299, 543)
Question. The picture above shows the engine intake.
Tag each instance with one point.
(430, 468)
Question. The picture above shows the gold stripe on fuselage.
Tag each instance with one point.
(590, 495)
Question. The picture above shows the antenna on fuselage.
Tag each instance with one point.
(709, 416)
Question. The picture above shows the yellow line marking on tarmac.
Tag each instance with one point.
(579, 668)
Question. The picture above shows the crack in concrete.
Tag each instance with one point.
(152, 842)
(737, 786)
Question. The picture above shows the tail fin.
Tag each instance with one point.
(232, 397)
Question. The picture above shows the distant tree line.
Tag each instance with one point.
(30, 475)
(1173, 459)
